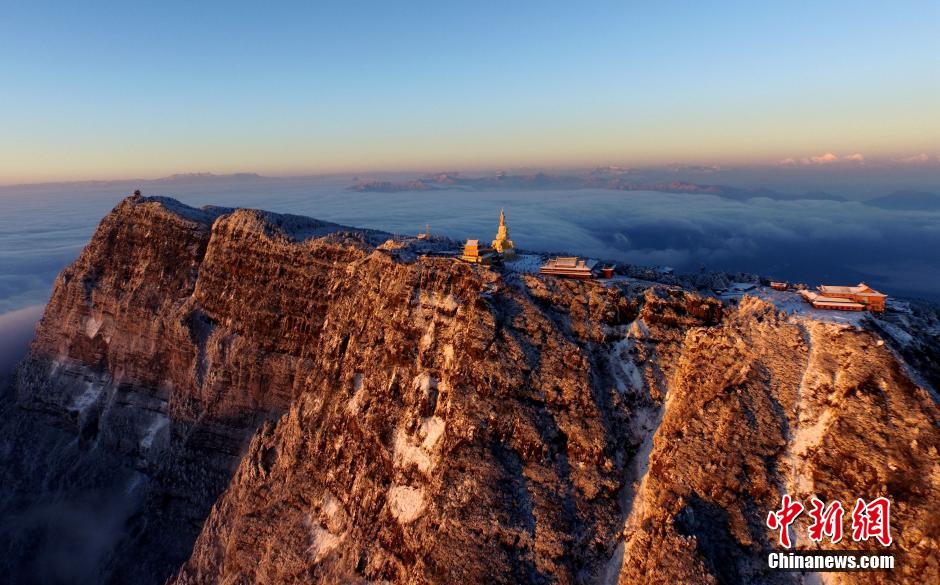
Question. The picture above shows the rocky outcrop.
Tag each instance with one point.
(276, 399)
(761, 406)
(136, 390)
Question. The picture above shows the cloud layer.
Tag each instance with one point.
(859, 159)
(825, 159)
(16, 331)
(42, 230)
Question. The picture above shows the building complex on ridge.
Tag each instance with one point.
(846, 298)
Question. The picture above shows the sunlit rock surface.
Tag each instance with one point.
(238, 396)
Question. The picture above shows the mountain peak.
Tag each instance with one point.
(263, 396)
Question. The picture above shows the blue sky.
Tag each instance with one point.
(109, 89)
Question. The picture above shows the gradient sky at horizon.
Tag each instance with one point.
(115, 89)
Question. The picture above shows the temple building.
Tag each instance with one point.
(502, 244)
(846, 298)
(819, 301)
(860, 293)
(569, 267)
(473, 252)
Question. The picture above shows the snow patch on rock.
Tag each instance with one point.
(408, 453)
(431, 429)
(628, 375)
(428, 338)
(92, 326)
(406, 503)
(448, 355)
(424, 382)
(418, 450)
(355, 403)
(447, 303)
(525, 264)
(792, 304)
(638, 330)
(644, 422)
(327, 527)
(157, 433)
(88, 398)
(330, 506)
(901, 336)
(813, 417)
(808, 436)
(322, 542)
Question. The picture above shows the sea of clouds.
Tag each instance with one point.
(43, 228)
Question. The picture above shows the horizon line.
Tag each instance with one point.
(922, 161)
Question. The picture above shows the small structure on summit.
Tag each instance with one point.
(427, 233)
(475, 253)
(776, 285)
(569, 267)
(502, 244)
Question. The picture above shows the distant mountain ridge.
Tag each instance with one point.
(174, 178)
(209, 177)
(605, 178)
(907, 200)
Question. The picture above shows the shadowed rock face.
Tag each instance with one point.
(275, 399)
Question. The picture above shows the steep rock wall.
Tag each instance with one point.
(133, 388)
(352, 411)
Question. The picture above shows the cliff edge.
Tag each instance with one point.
(237, 396)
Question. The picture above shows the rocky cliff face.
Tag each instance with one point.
(247, 397)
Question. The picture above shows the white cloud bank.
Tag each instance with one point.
(825, 159)
(918, 159)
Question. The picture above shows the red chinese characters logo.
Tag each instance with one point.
(872, 520)
(827, 520)
(869, 520)
(782, 519)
